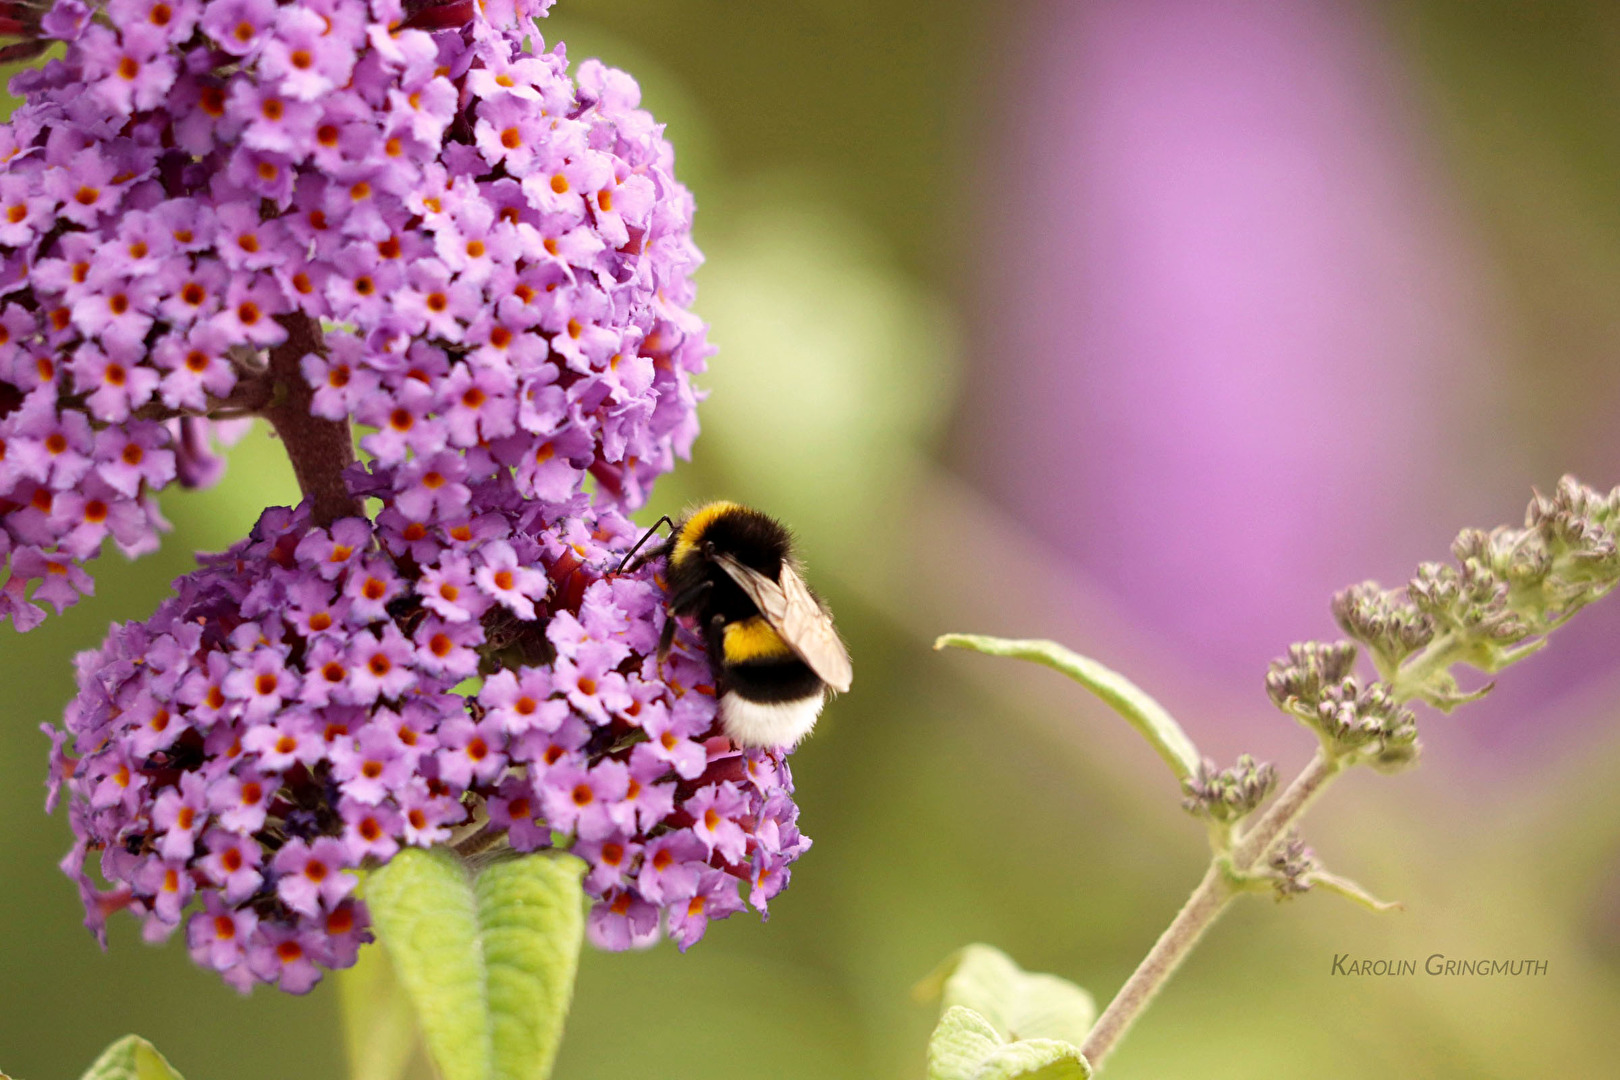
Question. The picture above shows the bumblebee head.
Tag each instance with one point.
(754, 539)
(687, 539)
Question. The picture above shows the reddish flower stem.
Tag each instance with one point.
(320, 449)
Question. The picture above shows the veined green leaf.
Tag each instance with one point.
(533, 922)
(966, 1046)
(131, 1058)
(423, 909)
(1119, 693)
(1018, 1004)
(487, 958)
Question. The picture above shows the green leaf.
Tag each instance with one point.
(1018, 1004)
(1119, 693)
(534, 922)
(423, 910)
(131, 1058)
(966, 1046)
(487, 959)
(379, 1028)
(1353, 891)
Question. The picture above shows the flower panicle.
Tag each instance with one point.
(1391, 626)
(1506, 589)
(1507, 586)
(393, 215)
(313, 700)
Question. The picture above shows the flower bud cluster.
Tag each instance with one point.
(314, 699)
(1308, 670)
(1315, 684)
(1506, 590)
(1291, 865)
(452, 241)
(1472, 598)
(1391, 626)
(1228, 795)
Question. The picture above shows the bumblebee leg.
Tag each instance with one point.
(626, 561)
(666, 638)
(683, 601)
(716, 641)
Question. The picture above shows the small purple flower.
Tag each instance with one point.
(261, 683)
(471, 752)
(369, 832)
(448, 650)
(522, 702)
(332, 551)
(285, 956)
(503, 580)
(623, 922)
(291, 740)
(311, 875)
(370, 589)
(380, 667)
(232, 864)
(513, 808)
(448, 590)
(669, 867)
(168, 885)
(581, 800)
(217, 935)
(714, 811)
(369, 766)
(238, 26)
(180, 813)
(609, 860)
(434, 488)
(240, 801)
(716, 898)
(304, 58)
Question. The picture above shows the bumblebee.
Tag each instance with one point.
(769, 637)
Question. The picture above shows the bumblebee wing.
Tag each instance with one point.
(808, 628)
(798, 617)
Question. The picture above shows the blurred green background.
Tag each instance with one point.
(847, 159)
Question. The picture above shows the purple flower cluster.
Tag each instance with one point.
(391, 214)
(314, 699)
(443, 235)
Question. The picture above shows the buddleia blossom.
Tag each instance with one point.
(315, 699)
(398, 216)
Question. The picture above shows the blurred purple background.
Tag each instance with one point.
(1239, 348)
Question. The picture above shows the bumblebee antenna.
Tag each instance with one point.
(644, 538)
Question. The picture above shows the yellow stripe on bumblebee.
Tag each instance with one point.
(752, 639)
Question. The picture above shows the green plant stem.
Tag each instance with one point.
(1282, 813)
(1203, 907)
(1200, 911)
